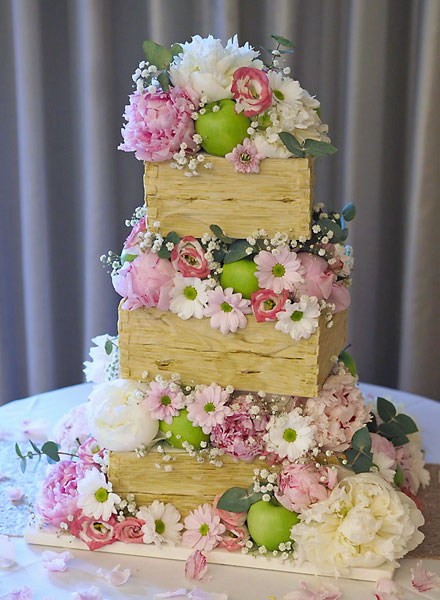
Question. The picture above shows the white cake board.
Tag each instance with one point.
(49, 536)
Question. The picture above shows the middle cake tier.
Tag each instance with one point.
(258, 357)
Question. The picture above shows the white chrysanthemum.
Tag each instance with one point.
(290, 435)
(299, 319)
(384, 465)
(162, 523)
(95, 496)
(118, 418)
(207, 67)
(103, 366)
(364, 523)
(188, 297)
(285, 90)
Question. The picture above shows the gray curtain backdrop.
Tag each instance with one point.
(65, 73)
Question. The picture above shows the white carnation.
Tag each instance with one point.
(118, 419)
(103, 367)
(207, 67)
(364, 523)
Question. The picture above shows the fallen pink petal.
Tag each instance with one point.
(15, 494)
(323, 592)
(22, 594)
(195, 594)
(7, 552)
(115, 576)
(195, 566)
(423, 580)
(90, 594)
(56, 561)
(386, 589)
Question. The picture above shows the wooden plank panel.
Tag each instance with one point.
(279, 198)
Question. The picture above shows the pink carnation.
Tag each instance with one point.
(93, 532)
(88, 451)
(245, 157)
(203, 529)
(301, 485)
(250, 88)
(72, 426)
(163, 403)
(130, 531)
(188, 257)
(146, 281)
(157, 124)
(338, 412)
(267, 303)
(58, 496)
(381, 444)
(133, 237)
(321, 282)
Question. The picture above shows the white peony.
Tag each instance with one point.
(207, 67)
(103, 367)
(364, 523)
(118, 418)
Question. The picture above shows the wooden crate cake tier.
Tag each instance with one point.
(258, 357)
(280, 196)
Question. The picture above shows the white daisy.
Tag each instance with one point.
(95, 496)
(188, 297)
(290, 435)
(285, 89)
(162, 523)
(299, 319)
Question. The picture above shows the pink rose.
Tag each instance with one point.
(230, 520)
(93, 532)
(250, 88)
(58, 495)
(188, 257)
(145, 282)
(130, 531)
(266, 304)
(301, 485)
(157, 124)
(88, 451)
(133, 237)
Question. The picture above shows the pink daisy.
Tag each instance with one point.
(280, 271)
(209, 407)
(203, 529)
(226, 309)
(245, 157)
(163, 403)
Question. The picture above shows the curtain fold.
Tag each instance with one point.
(66, 73)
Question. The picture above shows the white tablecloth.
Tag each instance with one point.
(151, 576)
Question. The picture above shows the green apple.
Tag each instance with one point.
(270, 525)
(221, 130)
(240, 276)
(348, 361)
(129, 254)
(183, 427)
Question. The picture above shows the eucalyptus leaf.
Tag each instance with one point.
(282, 41)
(329, 225)
(173, 237)
(349, 211)
(108, 346)
(23, 465)
(360, 463)
(292, 144)
(385, 409)
(237, 251)
(237, 499)
(18, 451)
(372, 425)
(218, 255)
(37, 450)
(361, 440)
(218, 232)
(393, 433)
(344, 235)
(406, 423)
(157, 55)
(50, 449)
(164, 79)
(316, 148)
(164, 252)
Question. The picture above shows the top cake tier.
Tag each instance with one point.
(279, 198)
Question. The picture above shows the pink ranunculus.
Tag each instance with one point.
(133, 237)
(146, 281)
(130, 531)
(381, 444)
(230, 520)
(340, 297)
(234, 539)
(157, 124)
(58, 496)
(88, 451)
(250, 88)
(301, 485)
(93, 532)
(188, 257)
(266, 304)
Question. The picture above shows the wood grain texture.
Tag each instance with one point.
(258, 357)
(278, 198)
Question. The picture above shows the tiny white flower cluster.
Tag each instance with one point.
(126, 508)
(145, 77)
(264, 482)
(138, 214)
(191, 162)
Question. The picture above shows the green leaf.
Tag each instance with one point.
(372, 425)
(23, 465)
(406, 423)
(18, 451)
(393, 432)
(164, 79)
(349, 211)
(50, 449)
(360, 463)
(398, 477)
(344, 235)
(173, 237)
(385, 409)
(218, 232)
(315, 148)
(237, 499)
(327, 225)
(37, 450)
(282, 41)
(218, 255)
(361, 440)
(176, 49)
(237, 251)
(292, 144)
(164, 252)
(108, 347)
(157, 55)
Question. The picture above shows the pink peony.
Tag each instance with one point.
(209, 407)
(163, 403)
(245, 157)
(195, 566)
(93, 532)
(266, 304)
(146, 281)
(130, 531)
(250, 88)
(338, 412)
(188, 257)
(58, 496)
(321, 282)
(229, 519)
(203, 529)
(157, 124)
(302, 485)
(71, 427)
(241, 434)
(133, 237)
(278, 272)
(226, 309)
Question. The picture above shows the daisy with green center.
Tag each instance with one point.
(226, 309)
(95, 496)
(188, 297)
(203, 529)
(162, 523)
(299, 319)
(280, 271)
(163, 402)
(209, 407)
(290, 435)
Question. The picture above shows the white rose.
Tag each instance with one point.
(118, 419)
